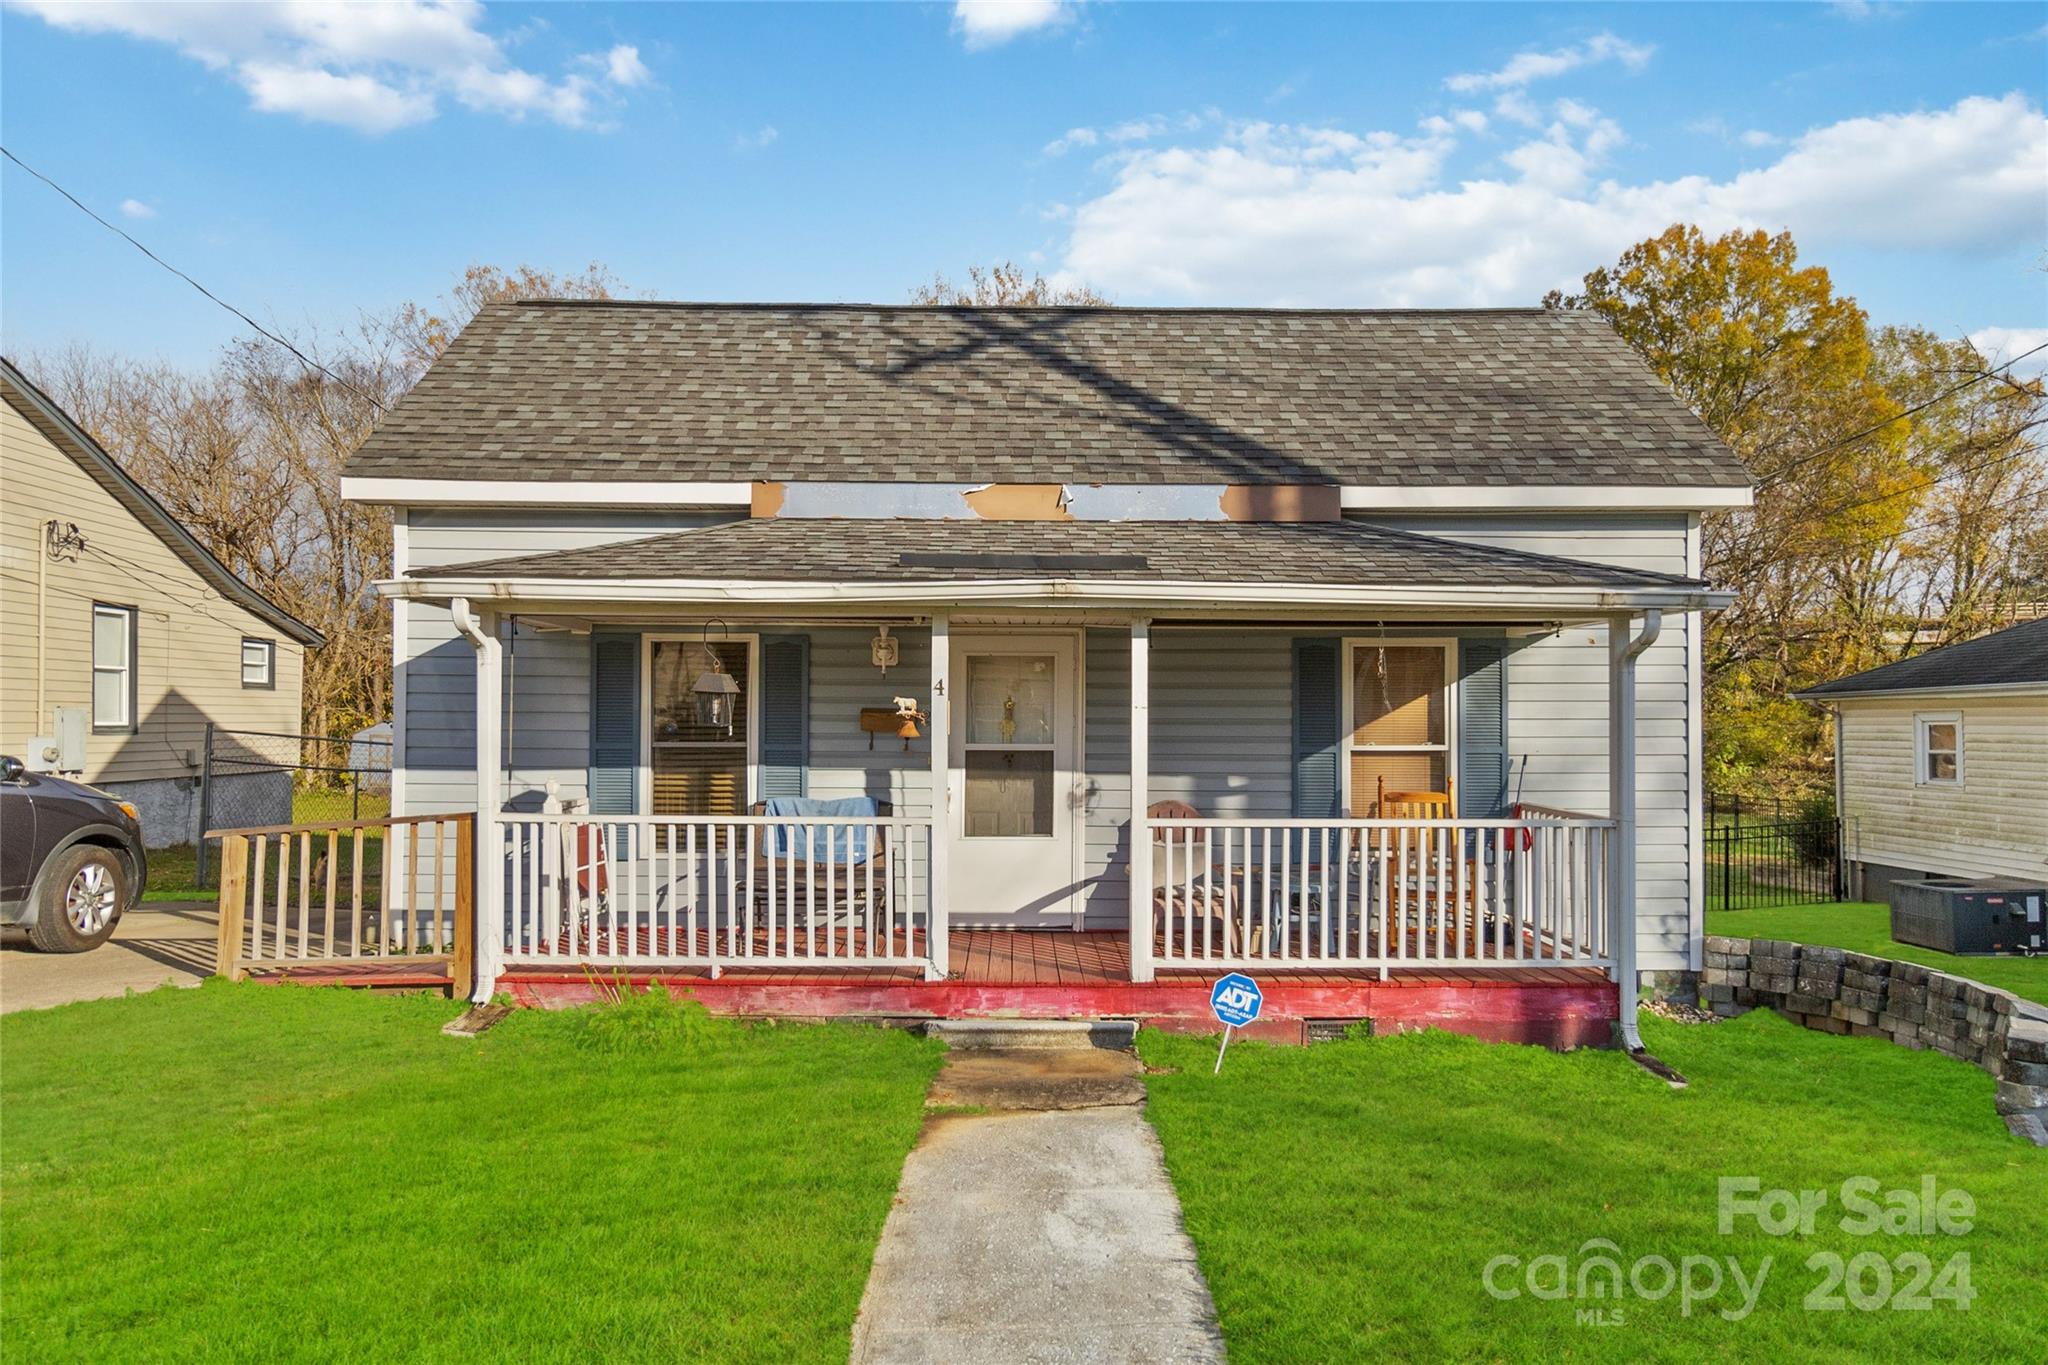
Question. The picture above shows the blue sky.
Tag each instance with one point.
(309, 164)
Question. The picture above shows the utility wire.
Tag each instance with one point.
(303, 358)
(1777, 476)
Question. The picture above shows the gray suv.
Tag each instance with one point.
(71, 860)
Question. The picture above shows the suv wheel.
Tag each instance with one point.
(81, 901)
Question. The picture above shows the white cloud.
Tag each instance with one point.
(623, 67)
(761, 137)
(1130, 130)
(1524, 67)
(2002, 346)
(1280, 214)
(990, 23)
(135, 208)
(370, 67)
(1757, 137)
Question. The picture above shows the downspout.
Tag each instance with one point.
(488, 940)
(1622, 653)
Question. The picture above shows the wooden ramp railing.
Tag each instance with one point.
(398, 891)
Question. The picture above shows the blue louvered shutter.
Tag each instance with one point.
(1482, 728)
(614, 722)
(785, 747)
(1318, 713)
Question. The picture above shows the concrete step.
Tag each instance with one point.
(1114, 1034)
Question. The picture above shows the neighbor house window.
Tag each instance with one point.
(113, 668)
(259, 663)
(1940, 748)
(1400, 720)
(697, 769)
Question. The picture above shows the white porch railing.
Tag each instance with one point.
(717, 892)
(1382, 893)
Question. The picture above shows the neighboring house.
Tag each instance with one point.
(125, 637)
(1941, 762)
(1260, 563)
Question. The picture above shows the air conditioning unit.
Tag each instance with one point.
(1971, 916)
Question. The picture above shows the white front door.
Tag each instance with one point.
(1014, 781)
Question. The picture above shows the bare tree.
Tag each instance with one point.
(1004, 285)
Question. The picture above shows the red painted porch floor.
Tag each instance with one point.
(1050, 974)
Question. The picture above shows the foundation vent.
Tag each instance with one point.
(1332, 1030)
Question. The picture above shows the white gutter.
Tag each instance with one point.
(487, 941)
(672, 591)
(545, 493)
(1622, 653)
(2010, 689)
(733, 493)
(1545, 498)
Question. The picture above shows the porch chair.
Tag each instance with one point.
(800, 873)
(1426, 901)
(1174, 900)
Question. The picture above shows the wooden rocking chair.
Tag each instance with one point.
(1426, 903)
(1174, 900)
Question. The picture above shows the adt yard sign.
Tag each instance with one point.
(1235, 1000)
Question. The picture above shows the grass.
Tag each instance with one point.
(1865, 927)
(1346, 1198)
(249, 1172)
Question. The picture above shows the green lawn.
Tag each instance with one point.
(1865, 927)
(250, 1172)
(1347, 1198)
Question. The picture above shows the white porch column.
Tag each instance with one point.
(939, 864)
(1622, 653)
(1141, 787)
(488, 942)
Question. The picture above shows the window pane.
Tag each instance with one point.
(1941, 767)
(1398, 695)
(1942, 737)
(109, 638)
(255, 662)
(672, 675)
(1403, 773)
(1009, 699)
(1009, 794)
(706, 780)
(109, 697)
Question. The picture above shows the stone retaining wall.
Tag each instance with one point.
(1838, 991)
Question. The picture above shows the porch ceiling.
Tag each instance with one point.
(1315, 565)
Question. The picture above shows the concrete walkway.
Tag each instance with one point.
(154, 944)
(1043, 1230)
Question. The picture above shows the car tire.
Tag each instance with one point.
(81, 900)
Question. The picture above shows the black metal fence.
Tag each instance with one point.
(1754, 863)
(253, 777)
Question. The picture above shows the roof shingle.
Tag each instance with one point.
(845, 550)
(619, 391)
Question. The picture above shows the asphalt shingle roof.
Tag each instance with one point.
(795, 549)
(2016, 655)
(623, 391)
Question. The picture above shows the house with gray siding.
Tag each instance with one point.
(1336, 646)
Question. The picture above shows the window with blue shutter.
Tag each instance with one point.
(1482, 728)
(785, 749)
(1318, 719)
(614, 721)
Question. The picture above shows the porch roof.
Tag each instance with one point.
(1336, 563)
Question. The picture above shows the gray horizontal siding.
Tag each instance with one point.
(547, 673)
(1557, 709)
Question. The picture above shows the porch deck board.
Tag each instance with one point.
(992, 957)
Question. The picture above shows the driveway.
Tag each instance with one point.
(168, 941)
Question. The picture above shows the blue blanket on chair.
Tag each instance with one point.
(846, 843)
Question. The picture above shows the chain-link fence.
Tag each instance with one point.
(254, 778)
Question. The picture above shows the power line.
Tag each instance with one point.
(1777, 475)
(303, 358)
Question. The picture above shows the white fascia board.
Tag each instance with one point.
(2015, 689)
(545, 493)
(1543, 498)
(1056, 591)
